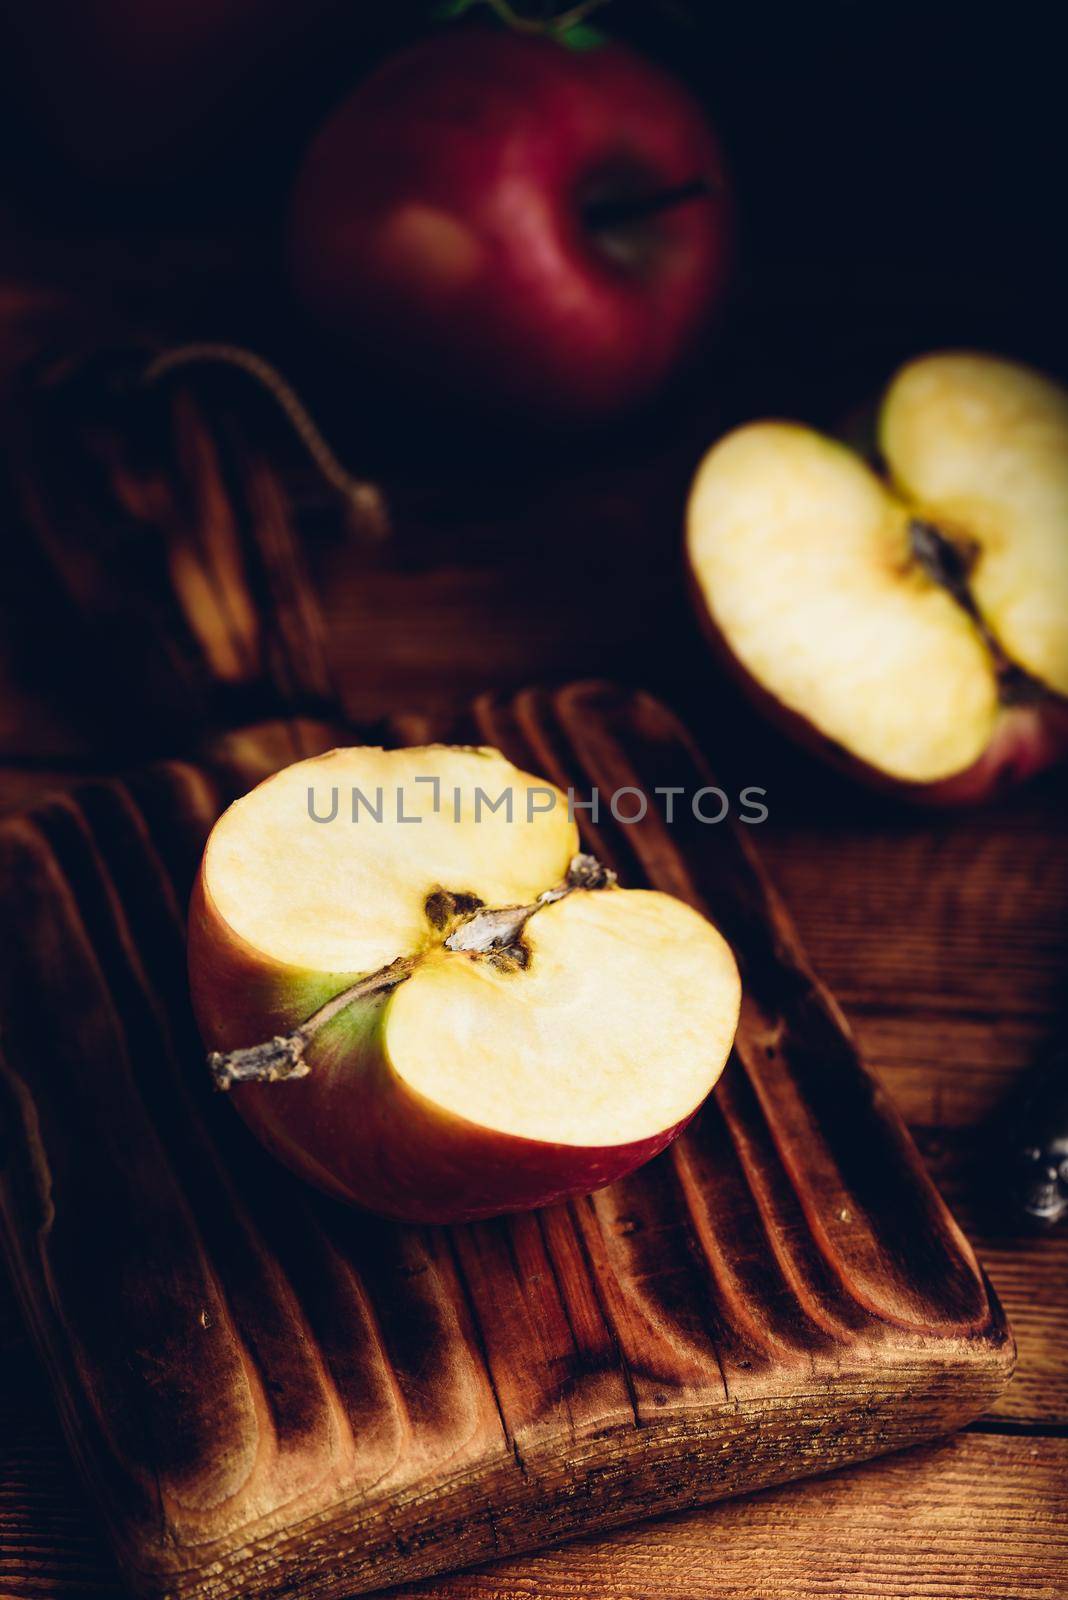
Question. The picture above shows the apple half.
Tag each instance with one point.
(913, 626)
(440, 1010)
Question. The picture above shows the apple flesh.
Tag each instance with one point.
(912, 627)
(453, 1016)
(513, 221)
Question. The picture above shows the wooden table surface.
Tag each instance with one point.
(944, 937)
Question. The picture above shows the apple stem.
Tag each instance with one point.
(282, 1058)
(552, 26)
(366, 503)
(491, 929)
(271, 1062)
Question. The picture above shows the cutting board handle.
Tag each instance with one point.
(170, 570)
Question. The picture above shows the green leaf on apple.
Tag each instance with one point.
(581, 36)
(568, 27)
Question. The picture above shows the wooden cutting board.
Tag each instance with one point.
(270, 1395)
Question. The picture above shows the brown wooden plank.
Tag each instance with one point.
(976, 1518)
(46, 1528)
(1032, 1279)
(951, 1077)
(1030, 1274)
(270, 1394)
(961, 915)
(955, 1071)
(24, 786)
(50, 1542)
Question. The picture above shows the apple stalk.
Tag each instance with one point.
(366, 504)
(483, 932)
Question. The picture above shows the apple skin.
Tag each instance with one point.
(1027, 739)
(352, 1127)
(438, 222)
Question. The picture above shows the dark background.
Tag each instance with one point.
(899, 168)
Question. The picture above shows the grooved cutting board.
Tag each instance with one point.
(271, 1395)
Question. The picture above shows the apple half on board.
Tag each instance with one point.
(911, 626)
(442, 1011)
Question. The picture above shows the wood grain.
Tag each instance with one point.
(1030, 1274)
(980, 1516)
(269, 1395)
(158, 540)
(995, 886)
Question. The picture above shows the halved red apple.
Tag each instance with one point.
(430, 1003)
(915, 626)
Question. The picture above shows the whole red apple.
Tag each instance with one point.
(514, 220)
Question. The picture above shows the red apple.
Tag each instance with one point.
(517, 221)
(912, 627)
(440, 1010)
